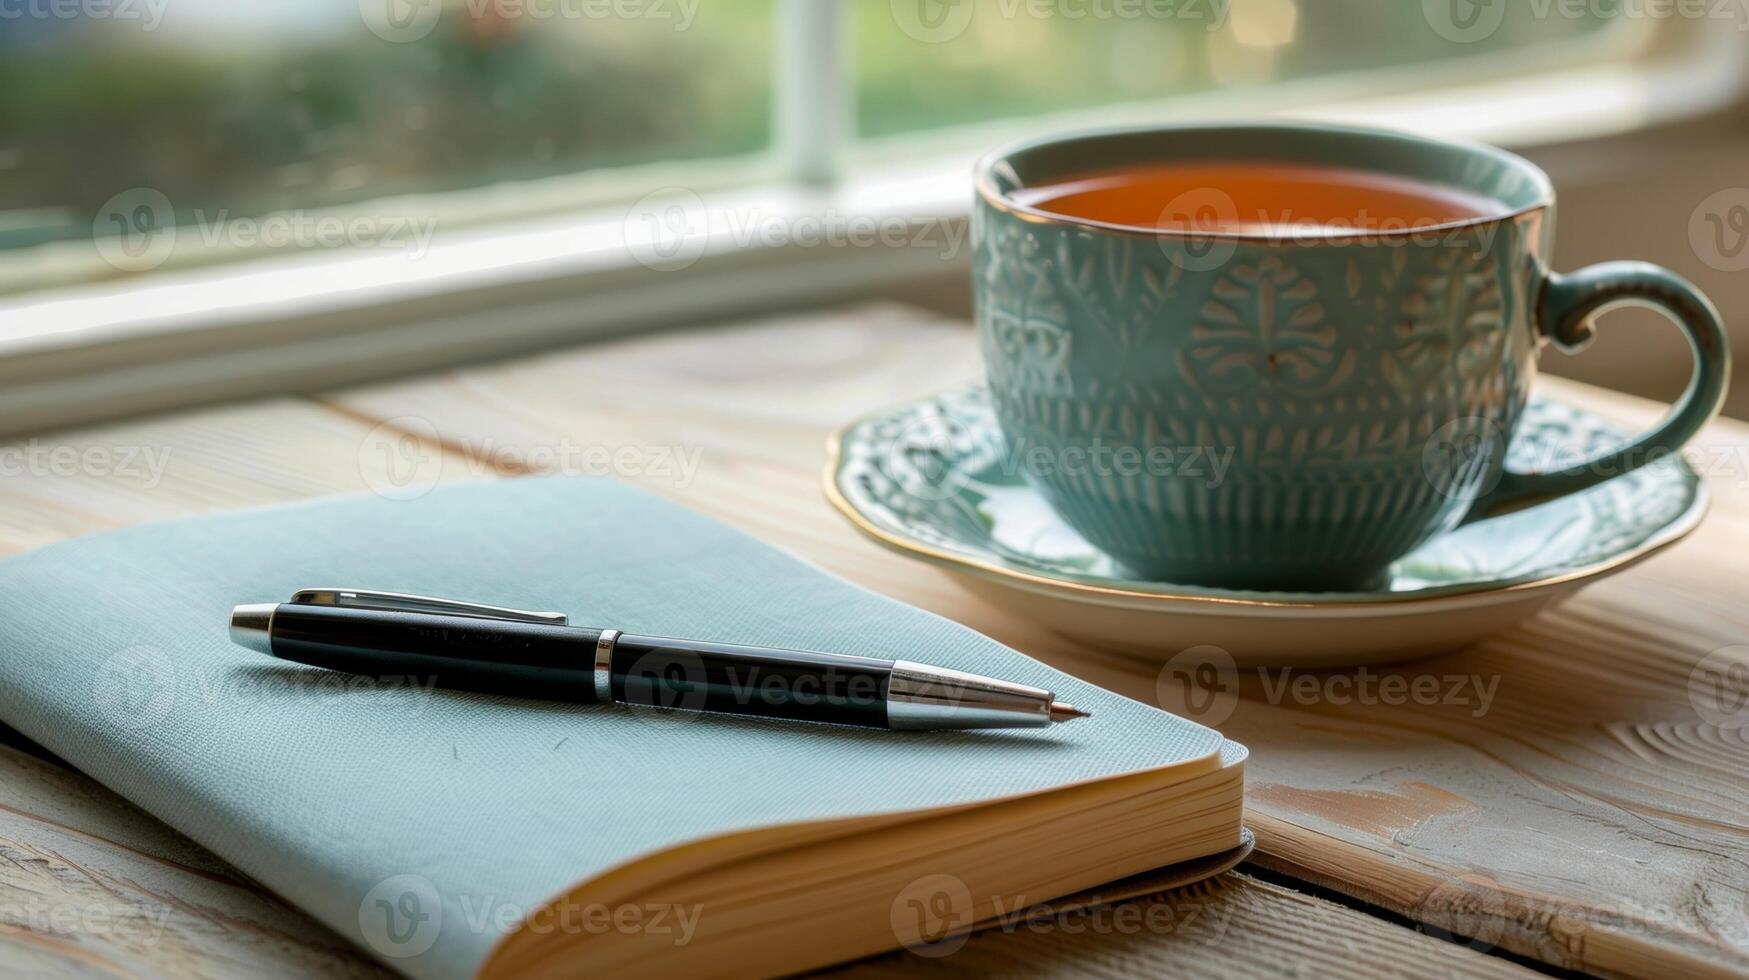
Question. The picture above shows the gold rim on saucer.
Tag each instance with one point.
(1671, 533)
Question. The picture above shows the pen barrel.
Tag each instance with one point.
(524, 659)
(661, 672)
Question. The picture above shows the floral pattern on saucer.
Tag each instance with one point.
(933, 479)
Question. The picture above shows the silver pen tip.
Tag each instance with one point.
(252, 624)
(1064, 712)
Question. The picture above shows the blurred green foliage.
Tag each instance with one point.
(259, 118)
(250, 126)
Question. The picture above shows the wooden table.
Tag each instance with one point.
(1589, 819)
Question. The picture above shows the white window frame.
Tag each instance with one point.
(309, 321)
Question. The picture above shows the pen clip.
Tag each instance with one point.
(401, 602)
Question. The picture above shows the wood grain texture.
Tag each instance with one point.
(1588, 817)
(1234, 925)
(92, 887)
(275, 451)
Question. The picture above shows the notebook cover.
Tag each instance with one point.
(346, 795)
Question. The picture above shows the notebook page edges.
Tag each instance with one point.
(347, 796)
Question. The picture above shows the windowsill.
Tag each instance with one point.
(317, 319)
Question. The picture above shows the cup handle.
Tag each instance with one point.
(1565, 312)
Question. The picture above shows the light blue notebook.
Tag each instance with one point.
(449, 833)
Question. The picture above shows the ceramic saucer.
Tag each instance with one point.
(932, 480)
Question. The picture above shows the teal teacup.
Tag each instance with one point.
(1291, 410)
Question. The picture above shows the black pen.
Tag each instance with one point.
(476, 647)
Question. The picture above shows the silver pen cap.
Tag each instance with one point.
(923, 698)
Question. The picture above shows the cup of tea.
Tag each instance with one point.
(1283, 356)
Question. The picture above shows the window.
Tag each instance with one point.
(120, 118)
(417, 183)
(928, 63)
(212, 111)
